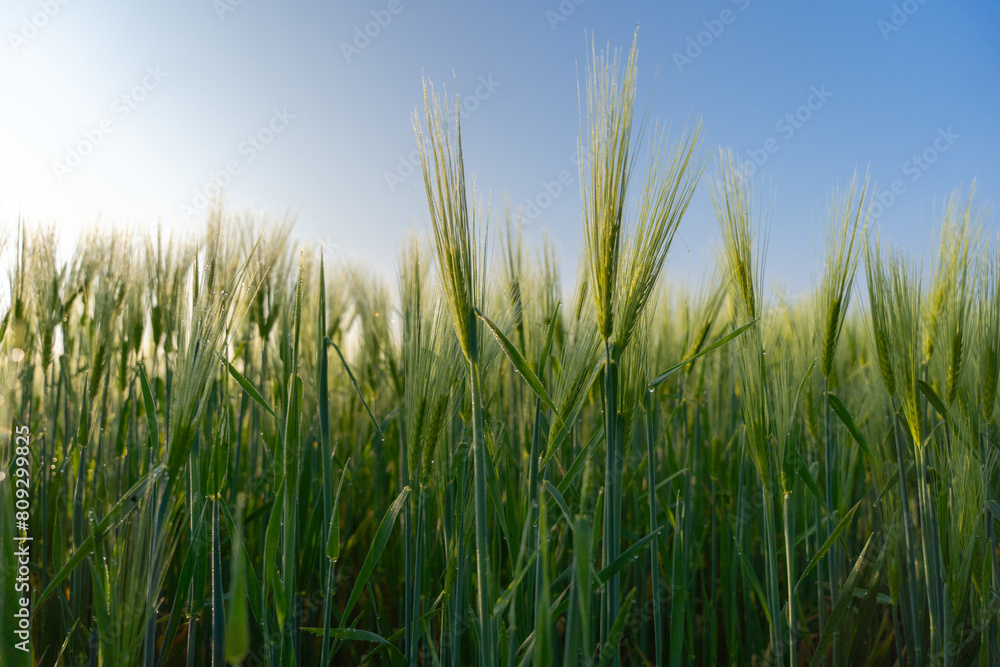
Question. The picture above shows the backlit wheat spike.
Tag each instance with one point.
(455, 224)
(605, 174)
(901, 296)
(988, 319)
(733, 200)
(949, 323)
(878, 292)
(846, 216)
(461, 264)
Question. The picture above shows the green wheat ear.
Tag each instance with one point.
(625, 254)
(733, 201)
(670, 183)
(461, 264)
(846, 214)
(988, 318)
(902, 296)
(429, 358)
(605, 174)
(456, 225)
(950, 307)
(878, 292)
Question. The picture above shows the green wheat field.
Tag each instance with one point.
(226, 451)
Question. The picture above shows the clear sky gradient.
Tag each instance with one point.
(124, 111)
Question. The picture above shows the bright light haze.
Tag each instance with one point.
(121, 111)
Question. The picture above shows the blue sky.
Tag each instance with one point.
(124, 111)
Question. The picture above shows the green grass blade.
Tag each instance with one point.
(355, 635)
(496, 497)
(217, 609)
(357, 389)
(558, 497)
(272, 537)
(610, 649)
(582, 549)
(810, 483)
(933, 398)
(249, 388)
(252, 584)
(751, 575)
(662, 377)
(69, 635)
(889, 486)
(116, 515)
(508, 593)
(581, 459)
(333, 542)
(375, 551)
(236, 639)
(830, 541)
(843, 603)
(521, 365)
(788, 465)
(147, 398)
(181, 591)
(544, 647)
(561, 429)
(678, 590)
(848, 421)
(626, 556)
(550, 330)
(121, 440)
